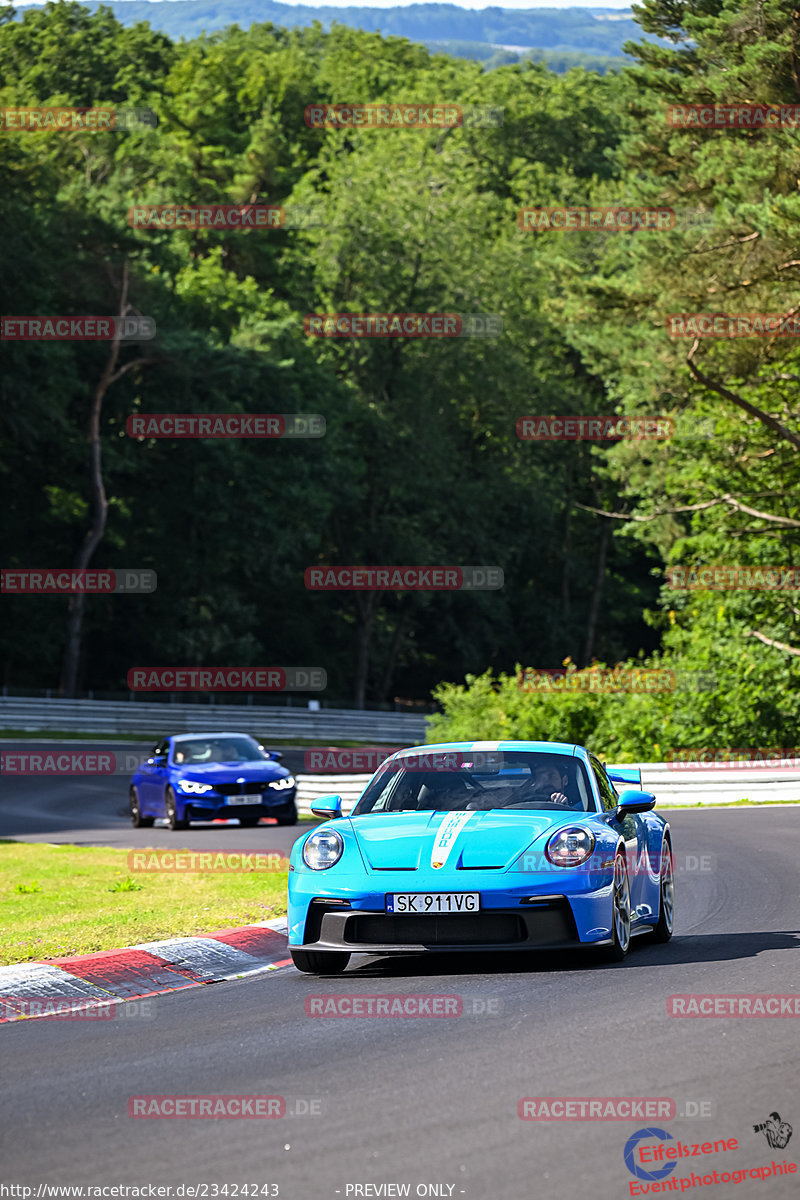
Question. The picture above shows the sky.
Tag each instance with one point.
(621, 6)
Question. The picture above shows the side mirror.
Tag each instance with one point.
(276, 754)
(327, 806)
(634, 802)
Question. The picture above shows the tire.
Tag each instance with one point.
(287, 820)
(320, 962)
(137, 820)
(662, 932)
(172, 812)
(620, 911)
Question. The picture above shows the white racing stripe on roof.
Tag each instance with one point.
(485, 746)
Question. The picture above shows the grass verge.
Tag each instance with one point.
(62, 900)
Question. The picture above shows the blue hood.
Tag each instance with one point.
(230, 772)
(484, 840)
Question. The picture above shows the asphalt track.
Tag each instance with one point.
(434, 1101)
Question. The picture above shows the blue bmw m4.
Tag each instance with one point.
(482, 846)
(203, 776)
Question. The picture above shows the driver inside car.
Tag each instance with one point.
(549, 782)
(198, 752)
(546, 783)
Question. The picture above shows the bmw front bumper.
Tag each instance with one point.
(214, 808)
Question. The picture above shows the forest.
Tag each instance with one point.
(421, 461)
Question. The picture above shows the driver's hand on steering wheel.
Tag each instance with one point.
(536, 791)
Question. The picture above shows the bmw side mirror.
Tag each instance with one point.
(327, 806)
(633, 801)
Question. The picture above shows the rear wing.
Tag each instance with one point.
(632, 775)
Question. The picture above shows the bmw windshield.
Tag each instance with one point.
(463, 781)
(196, 751)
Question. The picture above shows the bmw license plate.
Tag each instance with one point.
(433, 902)
(255, 798)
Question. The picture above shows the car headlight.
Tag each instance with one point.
(281, 784)
(322, 850)
(570, 847)
(188, 785)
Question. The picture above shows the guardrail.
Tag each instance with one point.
(719, 785)
(152, 719)
(670, 784)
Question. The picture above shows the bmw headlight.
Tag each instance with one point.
(281, 784)
(322, 850)
(570, 847)
(197, 789)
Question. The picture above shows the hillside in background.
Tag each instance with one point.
(563, 38)
(673, 552)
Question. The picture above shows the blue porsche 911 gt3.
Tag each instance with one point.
(204, 776)
(482, 846)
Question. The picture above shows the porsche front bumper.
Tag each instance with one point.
(544, 924)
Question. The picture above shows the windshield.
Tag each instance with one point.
(463, 781)
(196, 751)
